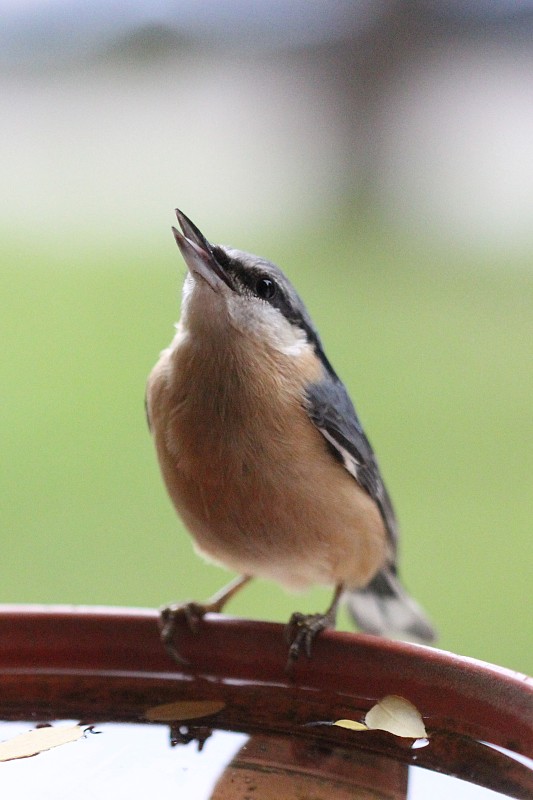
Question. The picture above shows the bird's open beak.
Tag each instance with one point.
(198, 254)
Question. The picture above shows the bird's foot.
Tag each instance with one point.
(302, 628)
(192, 614)
(301, 631)
(169, 619)
(184, 734)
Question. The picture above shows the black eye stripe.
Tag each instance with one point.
(289, 305)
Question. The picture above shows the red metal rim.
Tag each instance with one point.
(453, 693)
(108, 664)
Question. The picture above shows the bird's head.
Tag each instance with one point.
(227, 287)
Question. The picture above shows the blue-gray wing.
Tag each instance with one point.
(383, 606)
(332, 411)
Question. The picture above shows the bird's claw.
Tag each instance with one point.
(184, 734)
(192, 614)
(170, 616)
(301, 631)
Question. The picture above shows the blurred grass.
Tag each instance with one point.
(435, 348)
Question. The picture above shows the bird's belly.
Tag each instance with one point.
(276, 506)
(252, 477)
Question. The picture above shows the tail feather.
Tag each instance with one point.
(384, 608)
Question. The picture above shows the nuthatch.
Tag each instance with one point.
(263, 454)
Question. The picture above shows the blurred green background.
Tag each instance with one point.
(430, 326)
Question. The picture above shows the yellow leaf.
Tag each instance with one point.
(351, 724)
(184, 709)
(398, 716)
(35, 741)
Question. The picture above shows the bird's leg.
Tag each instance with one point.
(302, 628)
(192, 613)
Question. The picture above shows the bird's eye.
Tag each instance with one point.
(265, 288)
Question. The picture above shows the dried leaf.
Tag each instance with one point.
(351, 724)
(36, 741)
(398, 716)
(184, 709)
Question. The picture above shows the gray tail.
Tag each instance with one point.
(384, 608)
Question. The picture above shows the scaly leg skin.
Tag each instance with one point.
(302, 628)
(193, 613)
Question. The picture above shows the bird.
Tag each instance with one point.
(263, 455)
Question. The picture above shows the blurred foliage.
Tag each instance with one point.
(435, 349)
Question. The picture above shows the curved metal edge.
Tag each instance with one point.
(453, 693)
